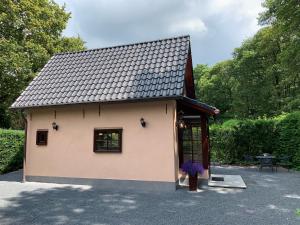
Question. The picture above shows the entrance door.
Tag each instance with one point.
(190, 146)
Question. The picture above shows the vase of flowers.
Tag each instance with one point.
(192, 169)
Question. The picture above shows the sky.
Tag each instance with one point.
(216, 27)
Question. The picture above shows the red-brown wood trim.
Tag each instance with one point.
(180, 150)
(205, 144)
(198, 108)
(189, 78)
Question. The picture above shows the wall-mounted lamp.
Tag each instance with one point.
(143, 122)
(180, 122)
(54, 126)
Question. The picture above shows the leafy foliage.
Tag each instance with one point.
(11, 150)
(298, 212)
(30, 33)
(263, 78)
(288, 128)
(214, 85)
(284, 17)
(222, 142)
(247, 137)
(280, 136)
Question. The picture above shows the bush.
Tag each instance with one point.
(230, 123)
(222, 144)
(288, 127)
(11, 150)
(236, 138)
(254, 137)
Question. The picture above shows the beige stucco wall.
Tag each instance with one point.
(148, 154)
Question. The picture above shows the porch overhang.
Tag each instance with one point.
(195, 113)
(199, 106)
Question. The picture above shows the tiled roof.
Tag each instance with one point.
(153, 69)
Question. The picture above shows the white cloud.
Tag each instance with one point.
(216, 26)
(189, 26)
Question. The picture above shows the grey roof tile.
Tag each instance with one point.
(142, 70)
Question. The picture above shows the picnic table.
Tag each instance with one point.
(267, 160)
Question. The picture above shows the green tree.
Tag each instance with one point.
(15, 73)
(214, 85)
(255, 92)
(263, 78)
(30, 33)
(284, 18)
(201, 70)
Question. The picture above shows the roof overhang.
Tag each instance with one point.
(188, 102)
(199, 106)
(117, 101)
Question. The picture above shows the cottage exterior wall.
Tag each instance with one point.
(148, 154)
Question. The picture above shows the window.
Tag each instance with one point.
(191, 143)
(41, 137)
(108, 140)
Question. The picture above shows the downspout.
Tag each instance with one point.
(25, 148)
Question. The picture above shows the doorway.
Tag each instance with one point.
(190, 144)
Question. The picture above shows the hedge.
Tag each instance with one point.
(233, 139)
(11, 150)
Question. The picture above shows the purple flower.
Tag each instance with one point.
(192, 168)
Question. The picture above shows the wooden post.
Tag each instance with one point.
(204, 138)
(180, 150)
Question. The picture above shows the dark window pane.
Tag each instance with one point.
(108, 140)
(41, 137)
(100, 136)
(114, 144)
(197, 144)
(101, 144)
(114, 136)
(196, 133)
(191, 143)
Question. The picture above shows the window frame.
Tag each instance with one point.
(108, 130)
(37, 139)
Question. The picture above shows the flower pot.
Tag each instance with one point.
(193, 182)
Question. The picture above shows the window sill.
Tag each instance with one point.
(107, 151)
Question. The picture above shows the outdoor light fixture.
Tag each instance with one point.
(180, 123)
(143, 122)
(54, 126)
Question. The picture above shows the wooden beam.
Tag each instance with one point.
(180, 150)
(189, 79)
(205, 144)
(198, 108)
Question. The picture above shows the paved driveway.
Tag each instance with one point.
(271, 198)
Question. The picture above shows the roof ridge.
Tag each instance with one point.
(123, 45)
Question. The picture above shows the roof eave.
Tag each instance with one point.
(200, 106)
(132, 100)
